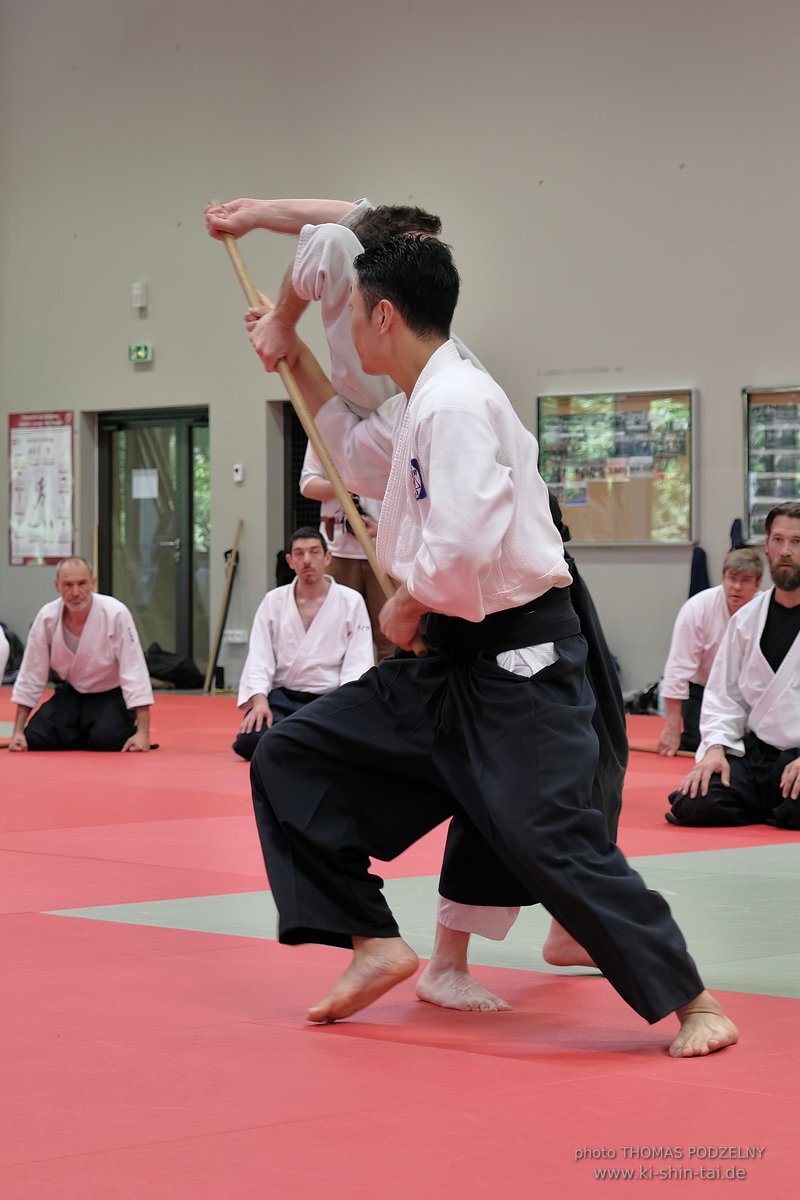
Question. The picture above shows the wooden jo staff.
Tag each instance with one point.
(314, 436)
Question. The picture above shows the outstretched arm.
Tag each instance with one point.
(273, 333)
(281, 216)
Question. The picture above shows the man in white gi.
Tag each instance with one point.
(308, 638)
(331, 234)
(368, 770)
(748, 761)
(699, 628)
(90, 641)
(349, 564)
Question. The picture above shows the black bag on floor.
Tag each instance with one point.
(645, 701)
(16, 649)
(172, 668)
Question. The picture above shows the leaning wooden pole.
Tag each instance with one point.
(230, 573)
(649, 748)
(314, 436)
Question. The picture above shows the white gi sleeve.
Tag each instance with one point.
(361, 449)
(259, 666)
(723, 717)
(359, 208)
(360, 653)
(685, 650)
(32, 677)
(311, 469)
(471, 506)
(134, 678)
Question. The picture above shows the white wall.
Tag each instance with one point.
(619, 179)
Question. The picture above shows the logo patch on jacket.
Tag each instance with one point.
(419, 483)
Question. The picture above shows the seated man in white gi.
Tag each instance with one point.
(90, 641)
(308, 638)
(349, 563)
(748, 762)
(699, 628)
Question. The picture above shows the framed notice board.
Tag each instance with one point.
(621, 465)
(41, 487)
(772, 438)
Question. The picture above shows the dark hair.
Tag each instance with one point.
(418, 275)
(307, 531)
(389, 220)
(789, 509)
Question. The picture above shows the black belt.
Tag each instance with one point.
(545, 619)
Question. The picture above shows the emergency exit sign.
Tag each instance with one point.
(143, 353)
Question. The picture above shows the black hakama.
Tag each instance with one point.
(371, 768)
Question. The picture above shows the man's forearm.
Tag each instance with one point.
(288, 307)
(318, 488)
(673, 712)
(289, 216)
(312, 381)
(21, 719)
(143, 721)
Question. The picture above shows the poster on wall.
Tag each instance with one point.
(621, 464)
(40, 485)
(773, 452)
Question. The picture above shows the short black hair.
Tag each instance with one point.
(389, 220)
(307, 531)
(417, 274)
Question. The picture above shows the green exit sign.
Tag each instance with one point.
(142, 353)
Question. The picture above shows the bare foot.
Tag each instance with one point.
(377, 965)
(450, 987)
(561, 950)
(704, 1028)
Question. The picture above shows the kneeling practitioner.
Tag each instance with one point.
(308, 637)
(103, 699)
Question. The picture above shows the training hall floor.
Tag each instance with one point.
(152, 1034)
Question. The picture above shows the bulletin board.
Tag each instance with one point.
(621, 465)
(772, 438)
(41, 485)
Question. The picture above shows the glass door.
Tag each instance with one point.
(155, 495)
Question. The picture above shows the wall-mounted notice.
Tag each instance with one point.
(40, 485)
(773, 452)
(620, 465)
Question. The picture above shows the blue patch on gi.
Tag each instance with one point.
(419, 483)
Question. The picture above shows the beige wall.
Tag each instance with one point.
(619, 179)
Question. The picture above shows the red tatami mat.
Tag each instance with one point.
(141, 1061)
(174, 1065)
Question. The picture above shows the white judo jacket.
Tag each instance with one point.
(335, 649)
(465, 521)
(699, 629)
(109, 655)
(744, 693)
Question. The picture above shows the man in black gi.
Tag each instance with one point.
(370, 769)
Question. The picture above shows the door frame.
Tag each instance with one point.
(185, 421)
